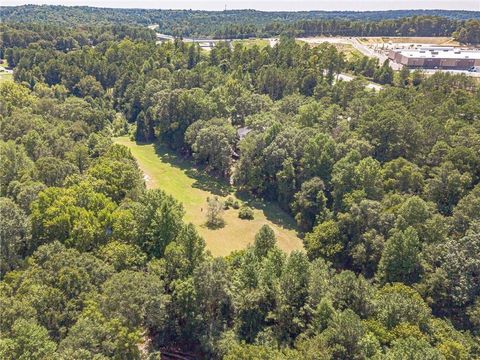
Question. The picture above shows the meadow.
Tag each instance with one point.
(192, 186)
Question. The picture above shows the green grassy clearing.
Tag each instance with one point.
(350, 52)
(261, 43)
(192, 186)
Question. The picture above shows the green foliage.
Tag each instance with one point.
(193, 247)
(400, 260)
(89, 86)
(118, 23)
(120, 125)
(352, 292)
(412, 348)
(446, 186)
(52, 290)
(324, 241)
(245, 212)
(384, 185)
(309, 205)
(14, 95)
(117, 174)
(451, 277)
(14, 235)
(176, 110)
(344, 335)
(212, 143)
(229, 202)
(214, 213)
(122, 256)
(384, 75)
(160, 221)
(291, 298)
(132, 297)
(319, 157)
(469, 33)
(402, 175)
(264, 241)
(254, 352)
(53, 171)
(28, 341)
(14, 163)
(95, 335)
(397, 304)
(77, 216)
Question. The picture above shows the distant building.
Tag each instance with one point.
(436, 58)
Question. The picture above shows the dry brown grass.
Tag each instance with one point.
(445, 41)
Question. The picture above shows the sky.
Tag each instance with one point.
(266, 4)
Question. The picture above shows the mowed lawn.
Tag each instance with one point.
(179, 178)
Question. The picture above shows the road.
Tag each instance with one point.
(364, 49)
(368, 51)
(273, 41)
(465, 72)
(353, 41)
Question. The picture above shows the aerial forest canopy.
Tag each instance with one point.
(384, 186)
(465, 25)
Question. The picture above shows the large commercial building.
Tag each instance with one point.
(436, 58)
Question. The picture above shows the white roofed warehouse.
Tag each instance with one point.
(436, 58)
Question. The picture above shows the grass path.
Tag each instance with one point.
(179, 178)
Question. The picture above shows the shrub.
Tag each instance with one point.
(245, 213)
(214, 213)
(229, 202)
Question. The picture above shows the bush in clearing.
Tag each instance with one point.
(245, 213)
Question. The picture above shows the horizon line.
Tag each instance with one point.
(236, 9)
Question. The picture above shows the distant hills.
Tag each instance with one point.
(243, 23)
(86, 14)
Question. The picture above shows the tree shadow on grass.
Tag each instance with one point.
(218, 225)
(272, 211)
(219, 187)
(203, 181)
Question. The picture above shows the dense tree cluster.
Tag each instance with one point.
(250, 23)
(384, 186)
(47, 35)
(469, 33)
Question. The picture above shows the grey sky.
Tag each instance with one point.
(267, 4)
